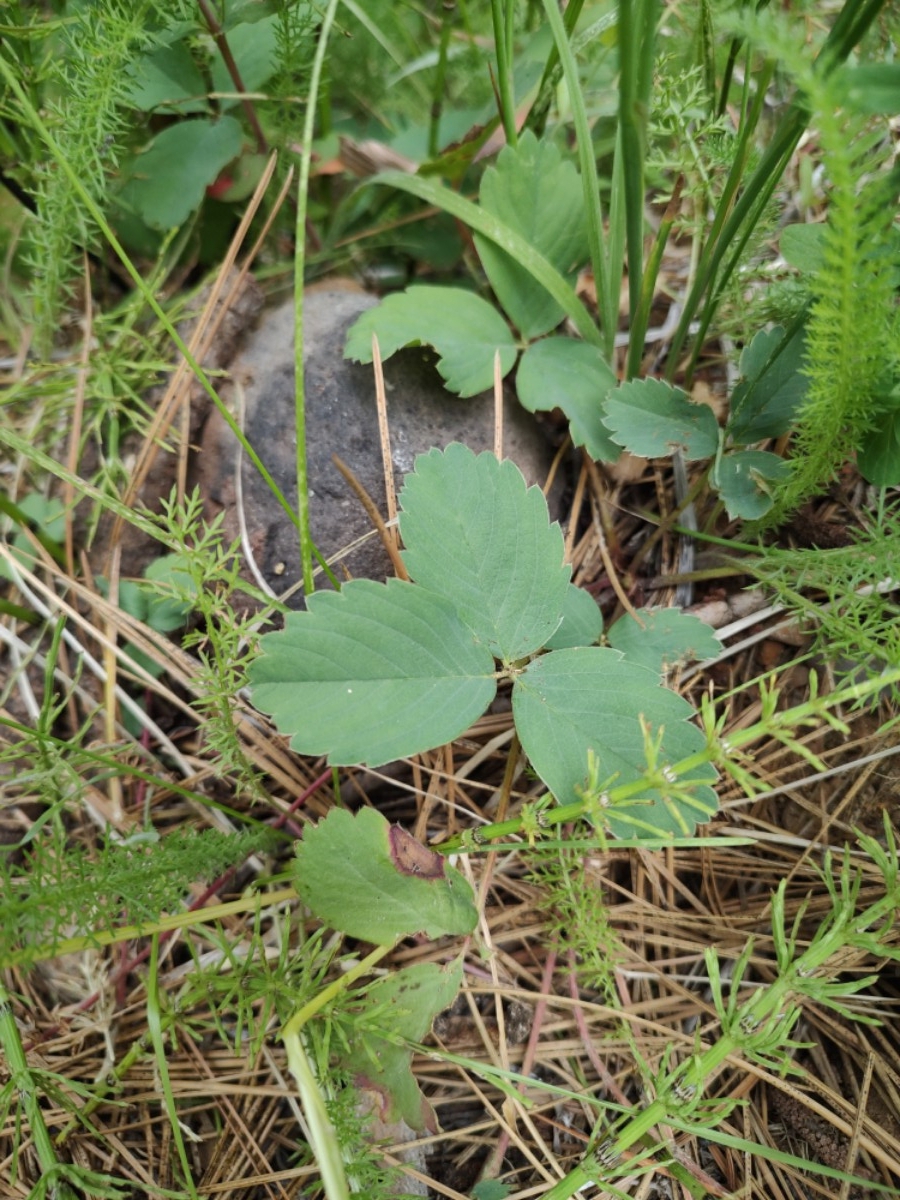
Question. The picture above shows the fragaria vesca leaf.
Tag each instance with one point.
(664, 638)
(373, 673)
(561, 372)
(404, 1005)
(582, 622)
(374, 881)
(744, 481)
(465, 330)
(474, 530)
(590, 699)
(650, 418)
(538, 194)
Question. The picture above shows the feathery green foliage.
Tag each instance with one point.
(853, 328)
(82, 72)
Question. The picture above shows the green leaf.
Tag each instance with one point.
(168, 78)
(374, 881)
(772, 386)
(570, 702)
(476, 532)
(803, 247)
(464, 329)
(170, 178)
(538, 195)
(744, 479)
(872, 87)
(404, 1005)
(481, 221)
(490, 1189)
(254, 46)
(373, 673)
(168, 612)
(879, 455)
(561, 372)
(669, 637)
(651, 419)
(582, 622)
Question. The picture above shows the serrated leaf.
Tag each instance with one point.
(668, 637)
(650, 418)
(373, 673)
(474, 530)
(561, 372)
(170, 178)
(373, 881)
(772, 386)
(569, 702)
(582, 622)
(744, 479)
(405, 1004)
(464, 329)
(538, 195)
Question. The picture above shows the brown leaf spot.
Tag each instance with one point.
(411, 857)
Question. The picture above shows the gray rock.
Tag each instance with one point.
(340, 418)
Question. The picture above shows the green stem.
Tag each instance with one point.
(607, 288)
(717, 751)
(23, 1080)
(309, 124)
(502, 19)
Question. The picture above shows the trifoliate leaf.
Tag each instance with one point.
(744, 480)
(582, 621)
(668, 637)
(561, 372)
(570, 702)
(650, 418)
(464, 329)
(475, 531)
(538, 194)
(254, 47)
(403, 1005)
(374, 881)
(372, 673)
(772, 386)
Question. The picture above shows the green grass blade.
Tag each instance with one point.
(607, 288)
(306, 543)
